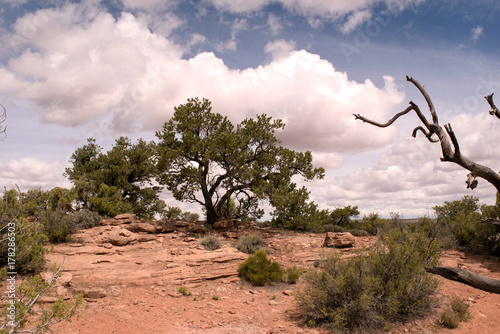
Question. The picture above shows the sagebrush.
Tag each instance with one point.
(387, 283)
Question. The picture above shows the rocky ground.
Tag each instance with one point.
(131, 283)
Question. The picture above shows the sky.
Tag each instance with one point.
(71, 70)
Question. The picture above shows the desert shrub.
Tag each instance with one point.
(457, 311)
(449, 319)
(293, 274)
(333, 228)
(190, 217)
(29, 243)
(460, 307)
(359, 233)
(33, 316)
(86, 219)
(58, 225)
(385, 284)
(372, 223)
(463, 220)
(210, 242)
(259, 269)
(184, 291)
(250, 243)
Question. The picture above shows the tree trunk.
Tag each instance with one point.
(212, 216)
(467, 277)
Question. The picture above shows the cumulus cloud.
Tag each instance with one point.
(410, 174)
(279, 48)
(30, 173)
(123, 77)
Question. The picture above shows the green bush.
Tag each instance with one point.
(386, 284)
(86, 219)
(30, 244)
(449, 319)
(250, 243)
(359, 233)
(460, 307)
(259, 269)
(462, 219)
(210, 242)
(333, 228)
(184, 291)
(457, 311)
(293, 274)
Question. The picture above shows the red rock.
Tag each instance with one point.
(339, 240)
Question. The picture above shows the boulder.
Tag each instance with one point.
(225, 223)
(163, 226)
(119, 237)
(96, 293)
(180, 223)
(197, 228)
(339, 240)
(106, 222)
(145, 238)
(141, 227)
(65, 279)
(129, 216)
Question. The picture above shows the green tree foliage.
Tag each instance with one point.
(463, 219)
(205, 159)
(25, 314)
(383, 285)
(118, 181)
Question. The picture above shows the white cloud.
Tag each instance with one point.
(354, 20)
(149, 5)
(120, 76)
(476, 33)
(279, 48)
(274, 24)
(30, 173)
(326, 9)
(410, 176)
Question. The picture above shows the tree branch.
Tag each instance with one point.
(467, 277)
(451, 152)
(494, 110)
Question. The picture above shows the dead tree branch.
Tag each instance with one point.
(494, 110)
(467, 277)
(434, 132)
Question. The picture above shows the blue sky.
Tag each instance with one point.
(77, 69)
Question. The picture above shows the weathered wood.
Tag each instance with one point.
(467, 277)
(444, 135)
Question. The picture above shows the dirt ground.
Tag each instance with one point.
(135, 288)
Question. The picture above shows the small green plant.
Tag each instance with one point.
(250, 243)
(457, 311)
(210, 242)
(293, 274)
(184, 291)
(460, 307)
(259, 269)
(449, 319)
(215, 297)
(316, 263)
(273, 297)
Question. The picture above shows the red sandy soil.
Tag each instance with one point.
(136, 287)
